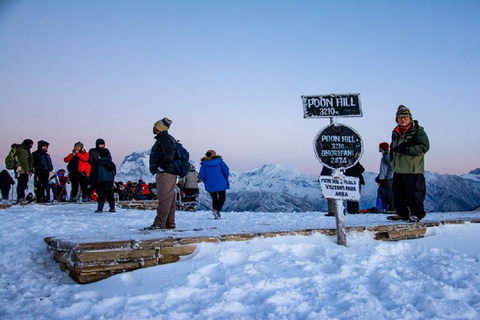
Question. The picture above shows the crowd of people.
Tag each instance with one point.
(91, 174)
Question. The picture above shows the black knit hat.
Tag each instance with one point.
(403, 111)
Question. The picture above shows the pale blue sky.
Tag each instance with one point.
(230, 74)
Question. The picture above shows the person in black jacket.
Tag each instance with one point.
(356, 171)
(94, 156)
(6, 181)
(162, 155)
(102, 178)
(42, 165)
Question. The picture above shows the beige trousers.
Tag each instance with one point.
(166, 200)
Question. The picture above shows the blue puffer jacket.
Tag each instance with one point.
(214, 174)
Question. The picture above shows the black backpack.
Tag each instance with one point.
(182, 160)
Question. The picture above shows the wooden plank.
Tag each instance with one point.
(92, 261)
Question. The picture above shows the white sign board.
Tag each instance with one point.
(344, 188)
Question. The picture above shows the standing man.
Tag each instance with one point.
(24, 168)
(408, 148)
(162, 155)
(42, 165)
(94, 156)
(385, 176)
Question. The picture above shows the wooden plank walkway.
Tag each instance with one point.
(87, 262)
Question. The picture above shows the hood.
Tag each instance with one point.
(211, 162)
(42, 143)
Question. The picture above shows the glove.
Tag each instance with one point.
(400, 149)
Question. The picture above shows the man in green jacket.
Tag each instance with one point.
(408, 148)
(24, 168)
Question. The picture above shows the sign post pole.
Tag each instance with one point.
(337, 147)
(340, 223)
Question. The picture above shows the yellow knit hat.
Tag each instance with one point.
(162, 125)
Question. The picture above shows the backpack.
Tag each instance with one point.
(182, 160)
(10, 161)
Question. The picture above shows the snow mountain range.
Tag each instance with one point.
(278, 187)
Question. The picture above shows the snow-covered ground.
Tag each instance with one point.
(295, 277)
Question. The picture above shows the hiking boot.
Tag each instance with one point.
(330, 214)
(414, 218)
(153, 227)
(98, 211)
(397, 218)
(216, 214)
(111, 210)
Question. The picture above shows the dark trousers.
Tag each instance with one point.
(353, 207)
(409, 192)
(5, 192)
(40, 185)
(78, 179)
(22, 185)
(387, 186)
(218, 199)
(104, 191)
(51, 188)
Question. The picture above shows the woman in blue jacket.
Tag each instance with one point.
(214, 173)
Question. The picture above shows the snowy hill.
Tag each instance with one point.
(278, 187)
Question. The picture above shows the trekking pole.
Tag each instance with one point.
(60, 195)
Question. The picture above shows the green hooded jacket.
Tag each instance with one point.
(413, 144)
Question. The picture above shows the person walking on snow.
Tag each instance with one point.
(214, 173)
(408, 148)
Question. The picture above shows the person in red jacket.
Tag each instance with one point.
(78, 171)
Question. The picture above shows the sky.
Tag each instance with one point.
(284, 277)
(230, 74)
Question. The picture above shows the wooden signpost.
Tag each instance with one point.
(337, 147)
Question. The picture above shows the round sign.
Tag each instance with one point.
(338, 146)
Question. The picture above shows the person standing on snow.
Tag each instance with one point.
(78, 171)
(214, 173)
(94, 156)
(24, 168)
(409, 145)
(102, 178)
(6, 182)
(385, 177)
(161, 159)
(42, 165)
